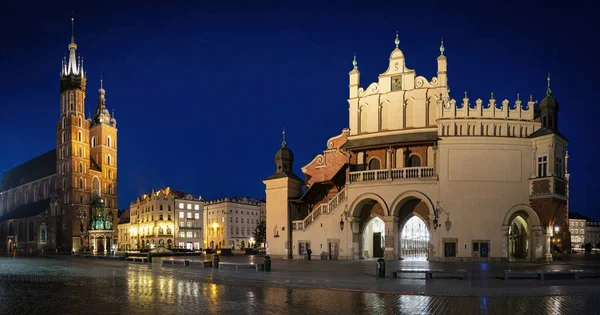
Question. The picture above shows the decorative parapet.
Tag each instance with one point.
(324, 166)
(491, 119)
(492, 109)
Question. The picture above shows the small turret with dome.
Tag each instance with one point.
(548, 109)
(284, 160)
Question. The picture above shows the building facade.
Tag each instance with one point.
(577, 227)
(123, 235)
(165, 218)
(592, 233)
(231, 222)
(189, 220)
(66, 199)
(420, 175)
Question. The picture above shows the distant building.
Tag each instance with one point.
(188, 222)
(577, 229)
(123, 235)
(230, 223)
(592, 232)
(165, 218)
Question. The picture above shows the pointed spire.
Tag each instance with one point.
(101, 81)
(397, 41)
(548, 91)
(283, 143)
(355, 63)
(518, 97)
(442, 47)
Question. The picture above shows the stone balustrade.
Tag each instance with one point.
(324, 208)
(392, 174)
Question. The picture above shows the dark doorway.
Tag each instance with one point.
(414, 161)
(377, 248)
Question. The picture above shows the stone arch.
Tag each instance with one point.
(360, 200)
(532, 216)
(411, 195)
(374, 163)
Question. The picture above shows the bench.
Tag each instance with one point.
(140, 259)
(462, 273)
(175, 262)
(257, 267)
(201, 263)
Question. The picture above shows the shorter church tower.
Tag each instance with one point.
(281, 187)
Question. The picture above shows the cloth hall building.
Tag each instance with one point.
(420, 175)
(66, 198)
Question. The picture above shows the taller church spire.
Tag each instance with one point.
(72, 75)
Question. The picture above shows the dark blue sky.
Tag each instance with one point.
(201, 92)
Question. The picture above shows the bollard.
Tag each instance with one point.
(216, 261)
(149, 256)
(268, 263)
(380, 268)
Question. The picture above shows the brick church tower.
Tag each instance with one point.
(86, 158)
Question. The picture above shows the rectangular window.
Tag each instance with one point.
(189, 234)
(197, 216)
(196, 207)
(181, 234)
(196, 245)
(169, 218)
(181, 205)
(559, 167)
(160, 207)
(181, 244)
(181, 215)
(189, 224)
(160, 217)
(190, 215)
(450, 249)
(189, 206)
(542, 165)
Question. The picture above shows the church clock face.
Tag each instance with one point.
(396, 83)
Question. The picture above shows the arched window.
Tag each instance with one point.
(95, 187)
(62, 123)
(71, 107)
(25, 196)
(35, 192)
(63, 137)
(79, 121)
(43, 235)
(64, 183)
(109, 141)
(414, 161)
(80, 183)
(169, 230)
(80, 167)
(79, 136)
(80, 152)
(93, 142)
(108, 160)
(374, 164)
(110, 189)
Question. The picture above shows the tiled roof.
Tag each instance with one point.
(27, 210)
(124, 217)
(390, 139)
(546, 131)
(36, 168)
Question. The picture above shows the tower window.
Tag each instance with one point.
(80, 183)
(63, 137)
(63, 122)
(559, 167)
(108, 142)
(80, 167)
(79, 136)
(108, 160)
(542, 166)
(93, 142)
(79, 121)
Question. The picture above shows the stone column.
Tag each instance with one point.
(548, 244)
(505, 242)
(391, 234)
(356, 239)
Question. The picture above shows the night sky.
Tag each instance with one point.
(201, 92)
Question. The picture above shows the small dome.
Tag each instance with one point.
(284, 154)
(549, 102)
(113, 121)
(101, 91)
(396, 54)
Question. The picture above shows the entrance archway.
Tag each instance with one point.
(518, 238)
(374, 238)
(414, 240)
(365, 209)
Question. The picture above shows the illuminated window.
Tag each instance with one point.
(181, 205)
(189, 206)
(181, 234)
(197, 216)
(196, 207)
(189, 234)
(181, 215)
(190, 215)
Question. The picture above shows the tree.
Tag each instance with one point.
(260, 233)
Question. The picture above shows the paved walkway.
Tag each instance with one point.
(486, 279)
